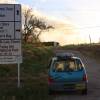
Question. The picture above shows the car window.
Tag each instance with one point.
(79, 64)
(59, 66)
(67, 65)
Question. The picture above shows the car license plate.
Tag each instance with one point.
(69, 86)
(80, 86)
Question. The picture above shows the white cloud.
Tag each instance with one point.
(43, 0)
(63, 27)
(7, 1)
(63, 31)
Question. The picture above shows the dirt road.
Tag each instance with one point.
(93, 71)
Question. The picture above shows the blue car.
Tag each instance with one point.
(67, 73)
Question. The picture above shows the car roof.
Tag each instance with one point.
(64, 56)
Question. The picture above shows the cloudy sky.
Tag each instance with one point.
(75, 20)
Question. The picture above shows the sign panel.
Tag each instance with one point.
(10, 34)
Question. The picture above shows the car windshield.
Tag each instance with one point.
(67, 65)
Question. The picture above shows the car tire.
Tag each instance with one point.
(84, 92)
(50, 92)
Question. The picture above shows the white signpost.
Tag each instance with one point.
(10, 35)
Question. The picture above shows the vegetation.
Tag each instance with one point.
(90, 50)
(33, 75)
(34, 26)
(34, 72)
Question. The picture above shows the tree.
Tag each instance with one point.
(34, 26)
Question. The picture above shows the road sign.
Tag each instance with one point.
(10, 34)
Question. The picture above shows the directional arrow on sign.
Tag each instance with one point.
(17, 30)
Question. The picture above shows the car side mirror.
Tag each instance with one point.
(81, 69)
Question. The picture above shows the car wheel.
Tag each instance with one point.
(84, 92)
(50, 92)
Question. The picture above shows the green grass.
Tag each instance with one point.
(36, 92)
(90, 50)
(34, 72)
(33, 75)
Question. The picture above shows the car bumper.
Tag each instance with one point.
(67, 86)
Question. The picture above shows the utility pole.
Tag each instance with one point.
(99, 40)
(90, 38)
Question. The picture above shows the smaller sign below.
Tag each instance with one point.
(10, 59)
(10, 49)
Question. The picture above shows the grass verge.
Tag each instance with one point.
(33, 75)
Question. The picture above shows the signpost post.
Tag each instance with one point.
(18, 74)
(10, 35)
